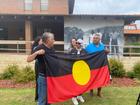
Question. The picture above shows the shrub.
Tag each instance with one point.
(25, 75)
(131, 74)
(1, 77)
(136, 70)
(116, 68)
(10, 71)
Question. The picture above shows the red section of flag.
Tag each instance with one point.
(64, 87)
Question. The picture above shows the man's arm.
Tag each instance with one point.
(32, 57)
(107, 51)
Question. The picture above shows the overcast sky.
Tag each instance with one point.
(107, 7)
(138, 24)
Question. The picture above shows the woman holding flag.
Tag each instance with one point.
(78, 50)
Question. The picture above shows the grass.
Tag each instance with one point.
(112, 96)
(17, 97)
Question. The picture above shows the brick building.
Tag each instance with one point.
(23, 20)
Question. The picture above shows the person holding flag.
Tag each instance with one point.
(96, 46)
(78, 50)
(39, 54)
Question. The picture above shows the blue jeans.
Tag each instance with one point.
(42, 93)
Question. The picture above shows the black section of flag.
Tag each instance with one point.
(61, 64)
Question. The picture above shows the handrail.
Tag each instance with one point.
(6, 42)
(127, 49)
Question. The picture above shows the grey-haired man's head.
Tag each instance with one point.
(48, 39)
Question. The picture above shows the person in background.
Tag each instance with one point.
(72, 44)
(96, 46)
(39, 54)
(36, 42)
(78, 50)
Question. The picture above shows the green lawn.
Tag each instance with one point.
(112, 96)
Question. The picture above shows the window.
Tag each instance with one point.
(44, 4)
(28, 4)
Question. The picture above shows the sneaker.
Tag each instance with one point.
(81, 99)
(74, 100)
(110, 78)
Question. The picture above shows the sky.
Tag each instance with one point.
(138, 23)
(107, 7)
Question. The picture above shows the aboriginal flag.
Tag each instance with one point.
(69, 75)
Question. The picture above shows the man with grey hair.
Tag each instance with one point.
(39, 53)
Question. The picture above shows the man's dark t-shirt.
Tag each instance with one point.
(41, 58)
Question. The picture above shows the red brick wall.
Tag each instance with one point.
(56, 7)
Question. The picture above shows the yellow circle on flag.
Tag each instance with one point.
(81, 72)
